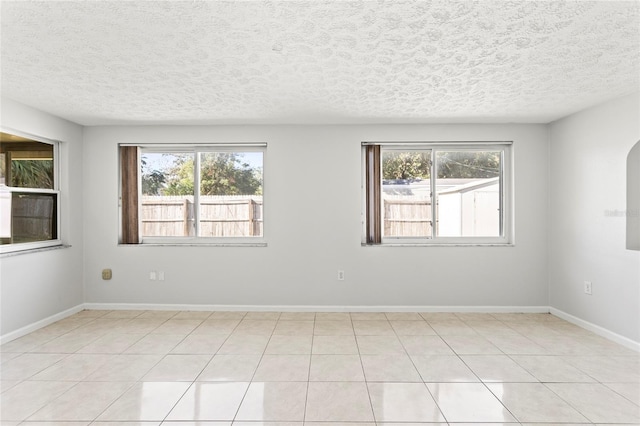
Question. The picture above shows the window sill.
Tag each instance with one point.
(195, 245)
(33, 250)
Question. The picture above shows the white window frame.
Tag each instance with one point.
(36, 245)
(196, 149)
(506, 194)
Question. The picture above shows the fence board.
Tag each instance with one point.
(228, 216)
(407, 218)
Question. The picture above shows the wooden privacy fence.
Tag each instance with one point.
(220, 216)
(407, 217)
(242, 216)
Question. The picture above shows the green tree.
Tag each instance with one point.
(153, 182)
(179, 177)
(406, 165)
(221, 173)
(410, 165)
(466, 165)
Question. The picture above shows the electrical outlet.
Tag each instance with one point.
(340, 275)
(106, 274)
(153, 276)
(160, 275)
(587, 287)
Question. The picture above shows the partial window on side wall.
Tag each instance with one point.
(29, 193)
(437, 193)
(185, 194)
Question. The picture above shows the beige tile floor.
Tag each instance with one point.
(221, 368)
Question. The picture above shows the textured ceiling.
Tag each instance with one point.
(116, 62)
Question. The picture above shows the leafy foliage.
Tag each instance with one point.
(225, 174)
(406, 165)
(414, 165)
(153, 182)
(221, 173)
(468, 164)
(32, 174)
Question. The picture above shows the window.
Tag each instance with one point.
(192, 194)
(29, 193)
(437, 193)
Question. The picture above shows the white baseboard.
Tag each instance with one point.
(39, 324)
(600, 331)
(314, 308)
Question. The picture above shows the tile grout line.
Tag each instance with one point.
(418, 371)
(306, 398)
(256, 370)
(618, 393)
(484, 383)
(366, 382)
(502, 352)
(68, 355)
(567, 402)
(140, 380)
(193, 382)
(538, 381)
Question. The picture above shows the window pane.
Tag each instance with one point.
(5, 213)
(167, 207)
(26, 163)
(33, 217)
(468, 188)
(406, 193)
(231, 194)
(32, 173)
(3, 170)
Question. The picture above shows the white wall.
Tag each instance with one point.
(587, 228)
(313, 227)
(34, 286)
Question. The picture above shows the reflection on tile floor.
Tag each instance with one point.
(299, 368)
